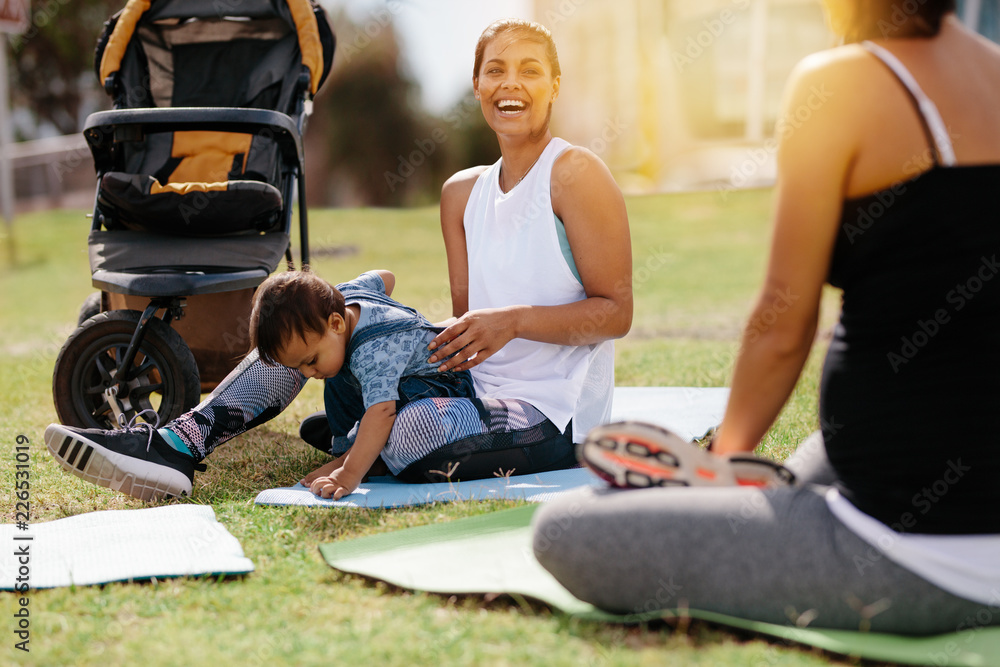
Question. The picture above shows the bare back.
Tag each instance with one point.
(959, 71)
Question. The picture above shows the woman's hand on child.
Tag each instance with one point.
(475, 336)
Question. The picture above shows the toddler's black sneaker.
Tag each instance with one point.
(136, 460)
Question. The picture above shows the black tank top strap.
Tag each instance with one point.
(930, 118)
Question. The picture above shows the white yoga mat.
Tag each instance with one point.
(688, 411)
(119, 545)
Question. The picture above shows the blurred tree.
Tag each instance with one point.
(53, 68)
(475, 142)
(380, 150)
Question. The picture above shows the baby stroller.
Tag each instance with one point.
(198, 163)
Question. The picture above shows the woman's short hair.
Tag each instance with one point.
(882, 19)
(287, 304)
(528, 30)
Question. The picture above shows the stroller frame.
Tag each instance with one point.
(112, 387)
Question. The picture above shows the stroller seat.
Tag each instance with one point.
(176, 54)
(122, 262)
(205, 190)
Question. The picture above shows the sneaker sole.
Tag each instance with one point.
(638, 455)
(98, 465)
(628, 455)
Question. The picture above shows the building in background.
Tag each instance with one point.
(981, 15)
(682, 94)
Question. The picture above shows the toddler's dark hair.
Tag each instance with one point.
(287, 304)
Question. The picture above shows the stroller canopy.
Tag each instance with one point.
(204, 57)
(230, 53)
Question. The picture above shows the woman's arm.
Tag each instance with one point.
(588, 201)
(817, 146)
(591, 206)
(454, 197)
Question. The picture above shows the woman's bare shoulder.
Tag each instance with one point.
(455, 194)
(842, 65)
(834, 90)
(579, 168)
(462, 181)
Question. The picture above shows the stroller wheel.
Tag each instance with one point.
(91, 306)
(163, 377)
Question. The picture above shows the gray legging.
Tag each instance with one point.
(775, 555)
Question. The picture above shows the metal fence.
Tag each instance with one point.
(55, 172)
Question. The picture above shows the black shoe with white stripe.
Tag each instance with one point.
(136, 461)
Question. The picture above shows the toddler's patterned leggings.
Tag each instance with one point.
(432, 438)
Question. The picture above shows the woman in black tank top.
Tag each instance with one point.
(890, 192)
(872, 199)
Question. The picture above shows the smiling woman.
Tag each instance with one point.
(512, 74)
(539, 256)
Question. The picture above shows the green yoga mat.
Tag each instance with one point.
(492, 554)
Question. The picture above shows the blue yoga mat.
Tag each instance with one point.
(389, 492)
(688, 411)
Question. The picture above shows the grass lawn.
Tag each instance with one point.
(698, 261)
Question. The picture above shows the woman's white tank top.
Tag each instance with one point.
(515, 259)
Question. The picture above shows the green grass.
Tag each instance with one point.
(698, 263)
